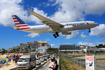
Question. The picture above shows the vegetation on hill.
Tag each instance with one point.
(3, 51)
(52, 50)
(100, 46)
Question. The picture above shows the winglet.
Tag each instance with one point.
(30, 10)
(33, 13)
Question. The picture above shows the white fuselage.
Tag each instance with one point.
(69, 26)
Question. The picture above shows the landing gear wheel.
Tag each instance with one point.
(56, 35)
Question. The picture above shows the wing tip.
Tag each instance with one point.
(30, 10)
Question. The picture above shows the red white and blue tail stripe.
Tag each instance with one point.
(19, 22)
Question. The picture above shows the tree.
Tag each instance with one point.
(3, 51)
(26, 49)
(29, 48)
(100, 46)
(52, 50)
(0, 50)
(17, 50)
(22, 49)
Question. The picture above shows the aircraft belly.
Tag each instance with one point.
(46, 29)
(39, 31)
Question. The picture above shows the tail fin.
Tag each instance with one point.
(18, 21)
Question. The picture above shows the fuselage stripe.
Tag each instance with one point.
(22, 26)
(14, 18)
(16, 21)
(27, 28)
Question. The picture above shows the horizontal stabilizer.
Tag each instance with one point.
(15, 27)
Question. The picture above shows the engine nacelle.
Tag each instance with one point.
(66, 33)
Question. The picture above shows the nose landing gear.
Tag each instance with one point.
(56, 35)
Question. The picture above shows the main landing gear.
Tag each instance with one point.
(89, 30)
(56, 35)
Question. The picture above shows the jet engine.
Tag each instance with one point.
(66, 33)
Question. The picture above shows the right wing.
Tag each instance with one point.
(54, 25)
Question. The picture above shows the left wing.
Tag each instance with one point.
(54, 25)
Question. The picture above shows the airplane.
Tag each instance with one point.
(52, 26)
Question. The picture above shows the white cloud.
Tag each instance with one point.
(98, 31)
(86, 43)
(9, 8)
(13, 7)
(68, 10)
(35, 19)
(52, 45)
(72, 10)
(32, 35)
(82, 35)
(74, 34)
(102, 42)
(94, 6)
(80, 6)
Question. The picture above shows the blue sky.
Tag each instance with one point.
(57, 10)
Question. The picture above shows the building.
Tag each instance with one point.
(31, 46)
(42, 43)
(79, 48)
(42, 49)
(69, 47)
(93, 49)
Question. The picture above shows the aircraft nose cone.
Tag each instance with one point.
(97, 24)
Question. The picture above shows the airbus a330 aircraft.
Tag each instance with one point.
(51, 26)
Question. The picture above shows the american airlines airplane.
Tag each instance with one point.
(51, 26)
